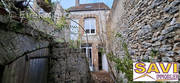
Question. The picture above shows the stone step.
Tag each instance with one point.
(101, 77)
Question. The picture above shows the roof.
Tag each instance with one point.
(89, 7)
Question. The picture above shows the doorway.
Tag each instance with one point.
(1, 72)
(88, 51)
(100, 60)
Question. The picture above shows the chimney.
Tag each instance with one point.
(77, 3)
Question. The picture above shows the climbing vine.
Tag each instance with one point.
(61, 23)
(125, 63)
(74, 43)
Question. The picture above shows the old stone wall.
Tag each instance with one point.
(18, 42)
(150, 27)
(71, 65)
(14, 50)
(26, 51)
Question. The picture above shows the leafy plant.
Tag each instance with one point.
(61, 22)
(59, 40)
(124, 64)
(74, 43)
(47, 1)
(16, 26)
(118, 35)
(154, 53)
(144, 60)
(49, 20)
(1, 4)
(102, 50)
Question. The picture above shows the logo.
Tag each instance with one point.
(155, 71)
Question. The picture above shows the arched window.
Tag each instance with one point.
(90, 25)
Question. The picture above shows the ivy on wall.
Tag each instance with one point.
(123, 64)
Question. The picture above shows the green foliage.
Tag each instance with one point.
(16, 26)
(118, 35)
(78, 42)
(124, 64)
(102, 50)
(154, 53)
(47, 1)
(1, 4)
(110, 56)
(30, 15)
(49, 20)
(74, 43)
(61, 23)
(145, 60)
(60, 40)
(125, 48)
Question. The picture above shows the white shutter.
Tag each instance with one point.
(74, 30)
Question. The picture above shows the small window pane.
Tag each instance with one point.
(87, 31)
(92, 30)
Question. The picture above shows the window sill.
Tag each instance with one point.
(90, 34)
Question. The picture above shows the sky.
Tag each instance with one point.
(69, 3)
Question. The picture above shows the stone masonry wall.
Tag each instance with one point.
(22, 45)
(147, 26)
(71, 65)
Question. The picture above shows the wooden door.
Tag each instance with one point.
(27, 71)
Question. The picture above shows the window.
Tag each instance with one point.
(90, 25)
(88, 51)
(74, 30)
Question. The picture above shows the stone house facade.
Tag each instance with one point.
(92, 27)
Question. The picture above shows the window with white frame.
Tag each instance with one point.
(74, 30)
(90, 25)
(88, 51)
